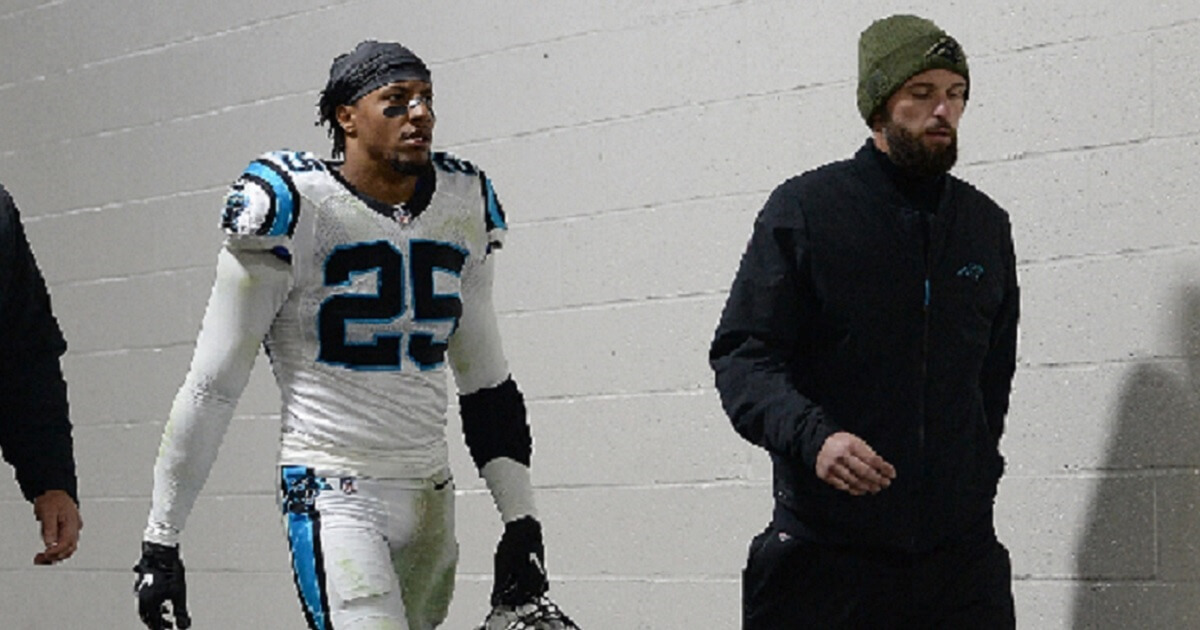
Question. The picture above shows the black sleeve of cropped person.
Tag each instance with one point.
(1001, 362)
(757, 336)
(35, 429)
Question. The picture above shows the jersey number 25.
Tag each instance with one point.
(389, 303)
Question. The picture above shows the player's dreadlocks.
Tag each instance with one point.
(370, 66)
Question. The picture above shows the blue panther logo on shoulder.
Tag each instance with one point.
(235, 204)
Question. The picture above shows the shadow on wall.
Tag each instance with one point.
(1139, 557)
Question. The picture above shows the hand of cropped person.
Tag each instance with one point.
(60, 520)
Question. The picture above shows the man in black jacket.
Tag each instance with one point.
(868, 344)
(35, 432)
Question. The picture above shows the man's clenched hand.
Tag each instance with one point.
(848, 463)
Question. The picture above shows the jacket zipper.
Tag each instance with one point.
(926, 306)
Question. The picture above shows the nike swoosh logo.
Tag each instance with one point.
(533, 559)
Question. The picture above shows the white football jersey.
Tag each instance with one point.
(360, 307)
(360, 345)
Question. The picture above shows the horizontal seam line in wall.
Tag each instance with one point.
(1121, 254)
(208, 495)
(105, 352)
(648, 113)
(652, 393)
(649, 22)
(71, 568)
(1065, 43)
(669, 204)
(107, 133)
(1092, 581)
(149, 50)
(1081, 365)
(158, 420)
(141, 275)
(1179, 24)
(1085, 148)
(689, 296)
(18, 12)
(125, 203)
(1110, 473)
(602, 122)
(702, 578)
(731, 483)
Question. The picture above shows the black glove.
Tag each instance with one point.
(159, 580)
(520, 564)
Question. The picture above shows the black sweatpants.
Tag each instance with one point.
(791, 584)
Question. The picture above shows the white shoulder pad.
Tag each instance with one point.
(493, 211)
(263, 204)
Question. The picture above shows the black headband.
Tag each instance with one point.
(370, 66)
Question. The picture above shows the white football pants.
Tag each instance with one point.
(375, 554)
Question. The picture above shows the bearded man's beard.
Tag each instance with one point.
(911, 154)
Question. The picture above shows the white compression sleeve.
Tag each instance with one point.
(249, 289)
(512, 491)
(476, 353)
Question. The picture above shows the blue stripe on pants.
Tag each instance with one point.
(303, 531)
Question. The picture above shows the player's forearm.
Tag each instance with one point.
(190, 442)
(498, 437)
(511, 488)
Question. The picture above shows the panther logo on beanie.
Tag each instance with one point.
(892, 50)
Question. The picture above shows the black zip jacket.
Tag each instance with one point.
(854, 311)
(35, 432)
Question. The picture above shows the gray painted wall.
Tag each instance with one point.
(632, 144)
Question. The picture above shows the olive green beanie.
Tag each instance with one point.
(894, 49)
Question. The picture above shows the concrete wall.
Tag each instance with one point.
(632, 144)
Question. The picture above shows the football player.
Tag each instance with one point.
(362, 278)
